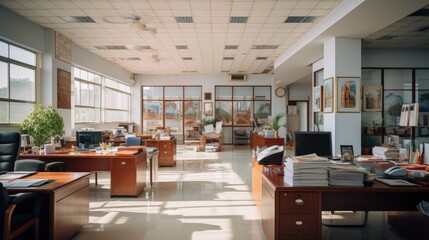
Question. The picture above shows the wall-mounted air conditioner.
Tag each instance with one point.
(238, 77)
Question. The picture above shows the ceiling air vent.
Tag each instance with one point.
(238, 19)
(130, 59)
(265, 47)
(140, 48)
(181, 46)
(238, 77)
(261, 58)
(78, 19)
(189, 71)
(186, 58)
(111, 47)
(228, 58)
(387, 37)
(300, 19)
(231, 47)
(184, 19)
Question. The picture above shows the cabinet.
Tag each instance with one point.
(259, 140)
(128, 175)
(167, 151)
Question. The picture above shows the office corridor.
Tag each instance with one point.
(205, 196)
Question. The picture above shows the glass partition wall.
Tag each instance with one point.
(174, 107)
(384, 91)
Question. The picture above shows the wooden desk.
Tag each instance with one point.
(210, 138)
(166, 151)
(295, 212)
(259, 140)
(65, 203)
(127, 173)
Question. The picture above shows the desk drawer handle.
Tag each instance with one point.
(299, 202)
(123, 163)
(299, 223)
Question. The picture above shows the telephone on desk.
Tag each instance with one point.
(396, 171)
(271, 155)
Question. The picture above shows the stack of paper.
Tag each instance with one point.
(385, 152)
(308, 170)
(345, 177)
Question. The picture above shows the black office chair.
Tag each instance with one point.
(19, 213)
(241, 136)
(10, 142)
(39, 166)
(133, 141)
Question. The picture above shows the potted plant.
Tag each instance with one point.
(43, 124)
(275, 124)
(208, 121)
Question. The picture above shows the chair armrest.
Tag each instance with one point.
(52, 166)
(25, 198)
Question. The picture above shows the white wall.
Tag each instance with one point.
(208, 82)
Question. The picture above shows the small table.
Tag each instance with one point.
(210, 138)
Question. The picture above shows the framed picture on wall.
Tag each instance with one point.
(207, 96)
(348, 94)
(372, 98)
(317, 99)
(208, 108)
(328, 95)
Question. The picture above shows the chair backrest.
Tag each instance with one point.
(133, 141)
(10, 142)
(30, 165)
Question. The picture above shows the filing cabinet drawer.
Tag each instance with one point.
(123, 163)
(290, 202)
(302, 224)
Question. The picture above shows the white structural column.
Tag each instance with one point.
(342, 58)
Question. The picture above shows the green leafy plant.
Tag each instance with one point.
(43, 124)
(208, 121)
(275, 122)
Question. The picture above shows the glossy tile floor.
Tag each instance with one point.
(205, 196)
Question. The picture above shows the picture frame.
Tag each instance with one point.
(328, 95)
(207, 96)
(317, 99)
(346, 149)
(372, 98)
(208, 108)
(348, 94)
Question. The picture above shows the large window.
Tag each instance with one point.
(237, 106)
(17, 83)
(99, 99)
(175, 107)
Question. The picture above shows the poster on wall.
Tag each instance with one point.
(63, 89)
(63, 48)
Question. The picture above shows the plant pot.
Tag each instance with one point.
(276, 134)
(49, 148)
(35, 150)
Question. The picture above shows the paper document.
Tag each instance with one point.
(22, 183)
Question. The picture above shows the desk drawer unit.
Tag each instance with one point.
(299, 215)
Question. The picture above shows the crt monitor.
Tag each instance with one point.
(319, 143)
(88, 139)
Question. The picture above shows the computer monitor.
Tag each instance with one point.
(319, 143)
(88, 139)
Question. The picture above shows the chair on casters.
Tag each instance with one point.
(17, 214)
